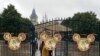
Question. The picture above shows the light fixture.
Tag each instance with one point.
(76, 37)
(44, 36)
(49, 41)
(22, 36)
(91, 38)
(13, 41)
(50, 44)
(57, 37)
(7, 36)
(83, 43)
(14, 44)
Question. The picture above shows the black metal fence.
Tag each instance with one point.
(67, 47)
(25, 50)
(64, 48)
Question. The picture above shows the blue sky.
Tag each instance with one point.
(53, 8)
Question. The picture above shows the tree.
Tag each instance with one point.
(0, 22)
(82, 22)
(98, 29)
(12, 22)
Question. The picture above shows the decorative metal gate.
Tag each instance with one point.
(64, 48)
(67, 47)
(25, 50)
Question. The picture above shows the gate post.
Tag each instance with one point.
(99, 46)
(33, 45)
(33, 48)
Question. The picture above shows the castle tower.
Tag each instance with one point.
(34, 18)
(45, 17)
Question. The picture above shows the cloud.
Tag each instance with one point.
(54, 8)
(3, 4)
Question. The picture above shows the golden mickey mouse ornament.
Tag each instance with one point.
(50, 42)
(14, 42)
(83, 43)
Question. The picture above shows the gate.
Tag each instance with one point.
(67, 47)
(25, 50)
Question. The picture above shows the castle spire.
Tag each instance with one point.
(45, 18)
(34, 17)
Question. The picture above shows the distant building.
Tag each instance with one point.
(54, 26)
(34, 17)
(45, 18)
